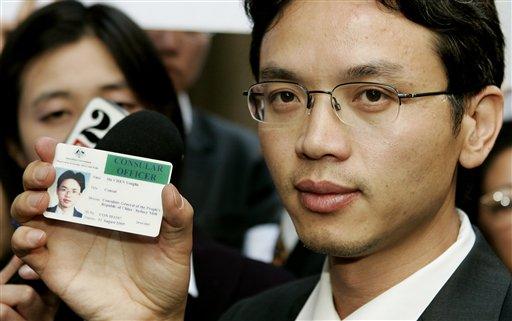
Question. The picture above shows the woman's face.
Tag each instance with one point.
(56, 87)
(68, 192)
(496, 221)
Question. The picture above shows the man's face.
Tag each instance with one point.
(183, 54)
(68, 193)
(354, 190)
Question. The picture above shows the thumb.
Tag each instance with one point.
(176, 231)
(45, 148)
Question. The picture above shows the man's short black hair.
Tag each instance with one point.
(468, 39)
(78, 177)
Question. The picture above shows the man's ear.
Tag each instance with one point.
(16, 153)
(480, 126)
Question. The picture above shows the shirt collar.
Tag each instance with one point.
(186, 111)
(59, 211)
(192, 285)
(406, 300)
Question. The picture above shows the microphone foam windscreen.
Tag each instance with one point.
(146, 134)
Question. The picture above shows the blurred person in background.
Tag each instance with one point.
(495, 208)
(485, 192)
(53, 64)
(238, 206)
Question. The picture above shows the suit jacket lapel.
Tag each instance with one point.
(475, 291)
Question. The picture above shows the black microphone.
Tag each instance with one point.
(146, 134)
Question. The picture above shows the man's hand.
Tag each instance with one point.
(19, 302)
(103, 274)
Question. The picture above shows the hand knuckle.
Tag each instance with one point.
(27, 293)
(4, 311)
(17, 243)
(18, 207)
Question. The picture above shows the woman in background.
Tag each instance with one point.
(495, 208)
(52, 65)
(485, 195)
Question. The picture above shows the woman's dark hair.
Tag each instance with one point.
(78, 177)
(65, 22)
(469, 40)
(503, 141)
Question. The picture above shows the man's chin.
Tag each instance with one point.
(336, 246)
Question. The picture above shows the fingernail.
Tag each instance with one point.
(42, 172)
(27, 272)
(178, 199)
(34, 236)
(34, 199)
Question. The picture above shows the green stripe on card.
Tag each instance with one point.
(137, 169)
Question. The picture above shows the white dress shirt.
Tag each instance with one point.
(69, 212)
(192, 285)
(406, 300)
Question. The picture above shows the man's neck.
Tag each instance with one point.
(355, 282)
(66, 210)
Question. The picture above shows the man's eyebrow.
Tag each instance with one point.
(273, 73)
(383, 69)
(373, 69)
(45, 96)
(114, 86)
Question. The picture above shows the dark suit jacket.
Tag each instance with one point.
(224, 277)
(480, 289)
(226, 180)
(53, 209)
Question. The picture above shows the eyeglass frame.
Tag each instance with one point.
(309, 103)
(495, 203)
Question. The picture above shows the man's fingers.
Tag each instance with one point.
(27, 273)
(29, 245)
(45, 148)
(8, 271)
(38, 175)
(41, 174)
(28, 303)
(20, 294)
(8, 313)
(177, 223)
(28, 205)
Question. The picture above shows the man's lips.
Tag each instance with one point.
(325, 196)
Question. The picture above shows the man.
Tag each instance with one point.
(239, 206)
(70, 186)
(366, 170)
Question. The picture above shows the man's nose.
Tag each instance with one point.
(323, 134)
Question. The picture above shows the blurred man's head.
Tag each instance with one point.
(183, 53)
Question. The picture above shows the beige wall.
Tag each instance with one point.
(226, 75)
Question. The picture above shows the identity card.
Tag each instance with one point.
(108, 190)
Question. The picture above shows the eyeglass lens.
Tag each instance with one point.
(354, 103)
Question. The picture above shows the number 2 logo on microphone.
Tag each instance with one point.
(96, 120)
